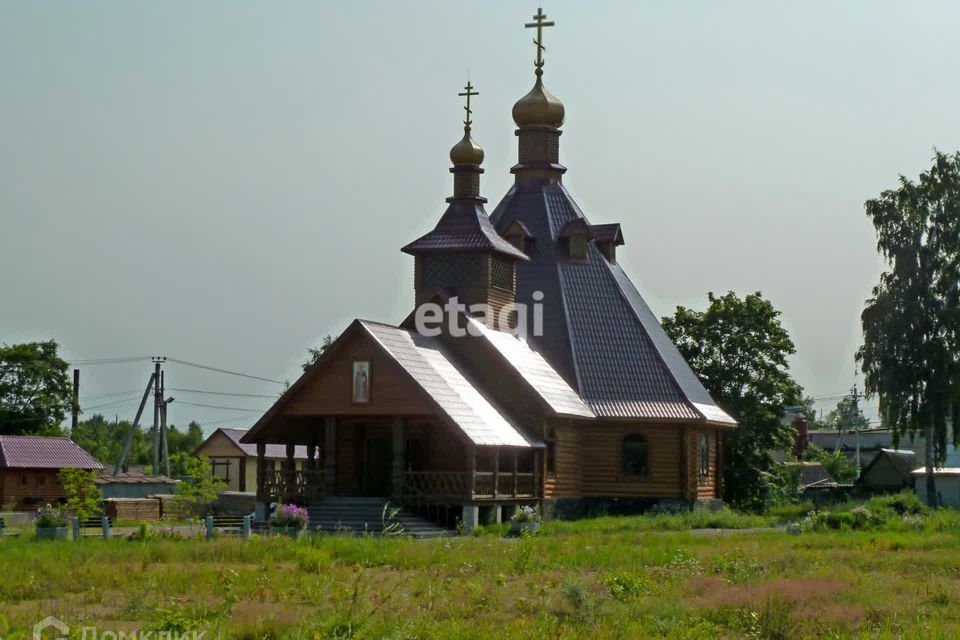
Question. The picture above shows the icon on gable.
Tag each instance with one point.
(361, 381)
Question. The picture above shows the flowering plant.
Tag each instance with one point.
(290, 515)
(525, 514)
(50, 518)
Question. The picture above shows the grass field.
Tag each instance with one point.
(633, 577)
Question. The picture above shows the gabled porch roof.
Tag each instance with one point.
(425, 362)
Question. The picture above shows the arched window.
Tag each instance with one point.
(634, 454)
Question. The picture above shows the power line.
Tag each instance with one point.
(109, 395)
(216, 406)
(114, 403)
(95, 361)
(218, 370)
(225, 393)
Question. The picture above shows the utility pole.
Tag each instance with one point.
(157, 402)
(163, 425)
(855, 396)
(76, 404)
(133, 428)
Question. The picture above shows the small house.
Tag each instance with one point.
(134, 484)
(891, 470)
(235, 462)
(29, 466)
(946, 481)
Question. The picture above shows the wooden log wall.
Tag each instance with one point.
(601, 454)
(29, 489)
(567, 479)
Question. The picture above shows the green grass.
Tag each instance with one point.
(631, 577)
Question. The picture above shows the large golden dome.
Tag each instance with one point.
(467, 151)
(538, 108)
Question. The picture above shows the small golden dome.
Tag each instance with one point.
(538, 108)
(466, 151)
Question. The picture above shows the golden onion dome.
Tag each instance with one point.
(466, 151)
(538, 108)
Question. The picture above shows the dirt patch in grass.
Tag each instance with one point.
(715, 593)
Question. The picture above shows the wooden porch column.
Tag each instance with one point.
(291, 463)
(471, 472)
(516, 469)
(261, 471)
(399, 456)
(330, 454)
(496, 472)
(311, 457)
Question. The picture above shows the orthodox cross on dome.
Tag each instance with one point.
(540, 21)
(468, 92)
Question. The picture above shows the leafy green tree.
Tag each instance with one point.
(911, 325)
(739, 349)
(196, 494)
(104, 439)
(846, 416)
(83, 494)
(842, 468)
(314, 353)
(36, 392)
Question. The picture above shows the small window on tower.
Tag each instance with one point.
(501, 273)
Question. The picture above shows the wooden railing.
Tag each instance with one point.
(435, 484)
(442, 486)
(301, 486)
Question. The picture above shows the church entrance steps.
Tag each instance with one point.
(342, 514)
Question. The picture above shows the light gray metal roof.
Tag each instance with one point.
(425, 360)
(536, 371)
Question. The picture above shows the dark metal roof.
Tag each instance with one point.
(463, 227)
(38, 452)
(598, 333)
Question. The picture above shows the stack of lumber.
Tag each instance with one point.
(132, 508)
(173, 508)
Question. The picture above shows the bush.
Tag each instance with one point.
(786, 512)
(50, 518)
(291, 516)
(902, 504)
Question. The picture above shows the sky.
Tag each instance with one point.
(224, 183)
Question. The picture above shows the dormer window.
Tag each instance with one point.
(608, 238)
(577, 247)
(519, 236)
(574, 238)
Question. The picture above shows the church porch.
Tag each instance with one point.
(414, 461)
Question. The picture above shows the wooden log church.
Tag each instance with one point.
(565, 392)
